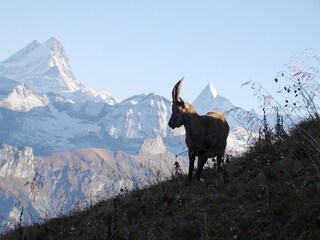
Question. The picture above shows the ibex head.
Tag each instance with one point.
(181, 109)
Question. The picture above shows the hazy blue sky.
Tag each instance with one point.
(132, 47)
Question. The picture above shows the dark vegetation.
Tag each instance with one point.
(271, 192)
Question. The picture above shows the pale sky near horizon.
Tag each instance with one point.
(133, 47)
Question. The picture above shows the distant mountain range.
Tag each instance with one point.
(64, 143)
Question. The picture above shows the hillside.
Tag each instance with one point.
(271, 192)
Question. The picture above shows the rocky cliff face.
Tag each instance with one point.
(37, 188)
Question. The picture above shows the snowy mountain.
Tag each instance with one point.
(139, 116)
(64, 125)
(66, 145)
(18, 97)
(53, 111)
(210, 100)
(45, 68)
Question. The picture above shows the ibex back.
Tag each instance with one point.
(206, 135)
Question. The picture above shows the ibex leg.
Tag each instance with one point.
(219, 160)
(201, 162)
(192, 158)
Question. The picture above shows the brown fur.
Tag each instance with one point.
(206, 135)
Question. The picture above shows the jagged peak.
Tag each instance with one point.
(209, 91)
(212, 89)
(36, 50)
(53, 40)
(210, 100)
(56, 47)
(45, 68)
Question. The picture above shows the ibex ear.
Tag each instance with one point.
(182, 102)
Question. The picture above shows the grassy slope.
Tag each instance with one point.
(272, 192)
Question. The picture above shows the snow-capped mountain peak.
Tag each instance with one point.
(35, 51)
(55, 45)
(58, 57)
(210, 88)
(210, 100)
(45, 68)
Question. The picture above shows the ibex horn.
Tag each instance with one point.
(176, 91)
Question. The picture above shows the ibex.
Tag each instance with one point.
(206, 135)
